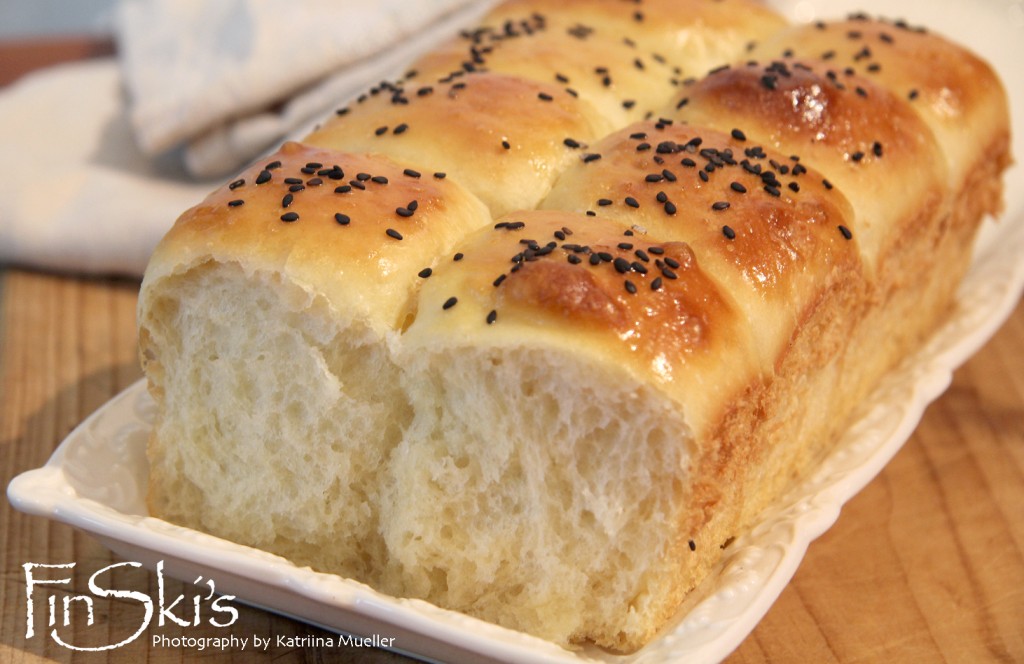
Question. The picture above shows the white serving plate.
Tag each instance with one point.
(96, 479)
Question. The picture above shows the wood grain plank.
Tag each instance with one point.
(925, 563)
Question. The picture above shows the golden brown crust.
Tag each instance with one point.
(641, 301)
(495, 129)
(691, 35)
(860, 136)
(356, 227)
(765, 226)
(954, 91)
(600, 70)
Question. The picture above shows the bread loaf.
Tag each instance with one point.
(533, 332)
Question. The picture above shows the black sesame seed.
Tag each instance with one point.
(656, 284)
(450, 302)
(425, 272)
(362, 177)
(272, 165)
(505, 144)
(289, 216)
(728, 232)
(287, 200)
(458, 256)
(671, 262)
(657, 251)
(720, 205)
(543, 96)
(440, 175)
(492, 316)
(846, 232)
(263, 177)
(403, 212)
(236, 203)
(571, 143)
(604, 201)
(574, 259)
(593, 156)
(379, 179)
(828, 185)
(739, 135)
(497, 282)
(411, 173)
(400, 129)
(630, 287)
(654, 177)
(702, 175)
(669, 274)
(314, 182)
(236, 184)
(670, 207)
(296, 187)
(342, 219)
(737, 187)
(631, 202)
(621, 265)
(293, 181)
(380, 131)
(876, 149)
(857, 156)
(393, 233)
(343, 189)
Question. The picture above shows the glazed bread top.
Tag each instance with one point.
(504, 138)
(769, 229)
(956, 93)
(354, 228)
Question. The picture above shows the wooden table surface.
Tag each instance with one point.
(926, 564)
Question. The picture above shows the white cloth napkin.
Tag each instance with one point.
(204, 73)
(92, 177)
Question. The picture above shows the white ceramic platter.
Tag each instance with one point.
(96, 479)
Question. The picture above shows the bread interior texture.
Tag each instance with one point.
(290, 412)
(446, 473)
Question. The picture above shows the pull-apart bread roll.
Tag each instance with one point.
(266, 320)
(505, 138)
(535, 331)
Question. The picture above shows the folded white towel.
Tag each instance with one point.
(89, 182)
(206, 74)
(75, 192)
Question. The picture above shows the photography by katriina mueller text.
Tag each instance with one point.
(51, 608)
